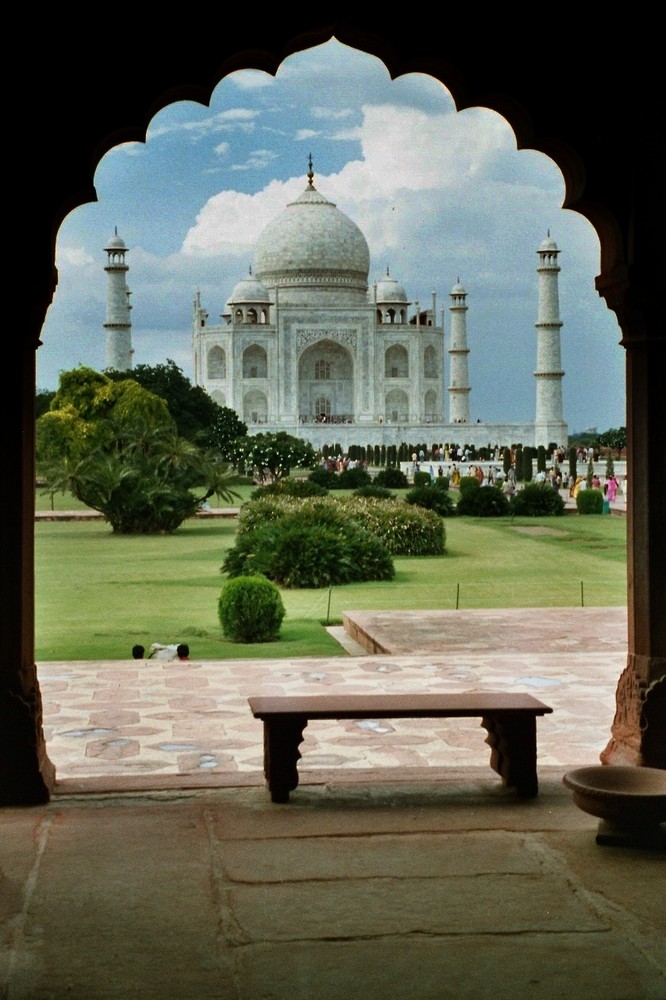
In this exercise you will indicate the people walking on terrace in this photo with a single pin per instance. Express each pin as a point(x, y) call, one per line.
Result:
point(611, 488)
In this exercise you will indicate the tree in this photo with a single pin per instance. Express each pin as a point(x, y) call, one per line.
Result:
point(615, 438)
point(150, 484)
point(278, 453)
point(115, 446)
point(573, 464)
point(228, 427)
point(43, 401)
point(193, 411)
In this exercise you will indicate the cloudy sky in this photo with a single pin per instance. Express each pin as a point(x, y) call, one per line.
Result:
point(441, 196)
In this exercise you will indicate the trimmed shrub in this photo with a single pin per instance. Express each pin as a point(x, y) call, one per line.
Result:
point(254, 513)
point(528, 458)
point(405, 530)
point(290, 487)
point(351, 479)
point(573, 468)
point(590, 501)
point(324, 477)
point(537, 500)
point(442, 482)
point(421, 478)
point(250, 609)
point(432, 499)
point(392, 478)
point(379, 492)
point(468, 484)
point(487, 501)
point(299, 553)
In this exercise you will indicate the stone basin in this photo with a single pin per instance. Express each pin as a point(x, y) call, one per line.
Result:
point(625, 798)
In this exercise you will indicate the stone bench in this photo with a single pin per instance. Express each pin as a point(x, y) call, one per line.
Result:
point(510, 720)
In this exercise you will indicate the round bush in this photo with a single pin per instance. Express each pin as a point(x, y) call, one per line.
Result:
point(432, 499)
point(299, 552)
point(590, 501)
point(324, 477)
point(468, 484)
point(405, 530)
point(486, 501)
point(537, 500)
point(421, 479)
point(250, 609)
point(378, 492)
point(351, 479)
point(392, 478)
point(291, 488)
point(266, 508)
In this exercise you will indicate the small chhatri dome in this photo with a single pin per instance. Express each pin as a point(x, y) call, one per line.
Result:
point(388, 290)
point(458, 289)
point(313, 244)
point(548, 244)
point(248, 290)
point(115, 243)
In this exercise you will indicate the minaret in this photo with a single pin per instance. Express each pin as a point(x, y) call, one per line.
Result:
point(459, 388)
point(549, 426)
point(118, 348)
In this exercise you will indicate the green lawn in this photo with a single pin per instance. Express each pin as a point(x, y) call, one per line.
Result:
point(98, 593)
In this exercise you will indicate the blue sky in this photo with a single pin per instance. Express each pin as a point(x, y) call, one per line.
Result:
point(441, 196)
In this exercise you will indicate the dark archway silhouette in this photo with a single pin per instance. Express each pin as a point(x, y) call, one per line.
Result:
point(566, 93)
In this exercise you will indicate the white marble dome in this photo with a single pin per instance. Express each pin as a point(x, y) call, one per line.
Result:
point(248, 290)
point(116, 243)
point(388, 290)
point(313, 246)
point(548, 244)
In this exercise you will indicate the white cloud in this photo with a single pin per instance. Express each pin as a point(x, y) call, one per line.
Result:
point(231, 222)
point(437, 153)
point(74, 257)
point(258, 159)
point(223, 121)
point(331, 113)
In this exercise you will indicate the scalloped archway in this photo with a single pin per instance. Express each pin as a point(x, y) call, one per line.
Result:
point(582, 119)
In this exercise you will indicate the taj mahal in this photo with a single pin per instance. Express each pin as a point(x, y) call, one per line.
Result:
point(305, 345)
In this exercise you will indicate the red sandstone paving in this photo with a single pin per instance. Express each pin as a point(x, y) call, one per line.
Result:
point(108, 718)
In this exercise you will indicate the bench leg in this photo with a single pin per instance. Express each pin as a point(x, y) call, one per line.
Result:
point(512, 739)
point(282, 737)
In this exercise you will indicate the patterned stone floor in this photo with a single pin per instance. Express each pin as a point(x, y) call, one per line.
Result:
point(153, 723)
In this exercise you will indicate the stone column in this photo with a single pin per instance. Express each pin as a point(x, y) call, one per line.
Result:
point(27, 775)
point(638, 732)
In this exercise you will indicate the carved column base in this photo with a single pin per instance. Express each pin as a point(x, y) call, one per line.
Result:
point(638, 732)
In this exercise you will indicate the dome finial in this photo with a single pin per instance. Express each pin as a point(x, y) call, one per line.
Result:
point(310, 172)
point(387, 271)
